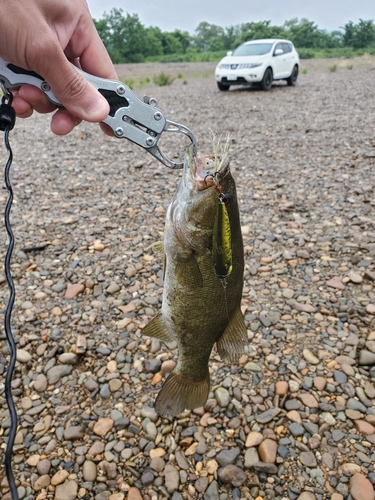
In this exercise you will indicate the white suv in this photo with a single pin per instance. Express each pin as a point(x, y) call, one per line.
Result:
point(260, 62)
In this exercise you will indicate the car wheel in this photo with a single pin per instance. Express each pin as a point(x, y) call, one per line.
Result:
point(266, 83)
point(222, 87)
point(292, 80)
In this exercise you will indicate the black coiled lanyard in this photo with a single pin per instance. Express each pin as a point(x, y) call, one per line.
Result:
point(7, 121)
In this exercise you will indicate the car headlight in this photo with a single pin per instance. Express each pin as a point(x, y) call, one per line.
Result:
point(249, 65)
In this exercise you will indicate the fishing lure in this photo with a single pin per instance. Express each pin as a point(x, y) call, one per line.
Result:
point(222, 239)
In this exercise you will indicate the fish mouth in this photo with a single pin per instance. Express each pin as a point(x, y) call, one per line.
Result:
point(207, 171)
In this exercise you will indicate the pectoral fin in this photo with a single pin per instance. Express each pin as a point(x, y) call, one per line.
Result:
point(157, 329)
point(157, 247)
point(188, 272)
point(230, 346)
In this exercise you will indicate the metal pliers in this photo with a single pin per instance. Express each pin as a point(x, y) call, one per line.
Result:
point(129, 117)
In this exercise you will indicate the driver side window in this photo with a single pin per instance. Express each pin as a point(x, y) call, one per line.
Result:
point(279, 46)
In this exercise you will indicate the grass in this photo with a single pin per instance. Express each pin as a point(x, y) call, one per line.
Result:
point(350, 66)
point(304, 71)
point(333, 68)
point(162, 79)
point(130, 82)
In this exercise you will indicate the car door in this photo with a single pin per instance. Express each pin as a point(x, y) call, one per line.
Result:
point(280, 64)
point(289, 59)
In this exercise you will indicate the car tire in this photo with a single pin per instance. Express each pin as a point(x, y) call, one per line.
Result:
point(267, 80)
point(222, 87)
point(292, 80)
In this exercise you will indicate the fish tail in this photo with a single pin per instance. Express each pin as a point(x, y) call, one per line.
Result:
point(180, 393)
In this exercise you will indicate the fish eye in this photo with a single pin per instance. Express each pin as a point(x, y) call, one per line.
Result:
point(225, 198)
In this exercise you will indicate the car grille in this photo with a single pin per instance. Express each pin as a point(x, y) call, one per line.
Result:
point(240, 79)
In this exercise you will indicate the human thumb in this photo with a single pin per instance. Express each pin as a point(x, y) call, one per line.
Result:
point(74, 92)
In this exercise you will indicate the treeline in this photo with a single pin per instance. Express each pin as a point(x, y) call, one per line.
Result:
point(128, 40)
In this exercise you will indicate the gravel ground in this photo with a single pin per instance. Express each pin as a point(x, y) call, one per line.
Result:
point(295, 419)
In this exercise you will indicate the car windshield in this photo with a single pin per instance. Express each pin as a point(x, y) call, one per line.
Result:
point(253, 49)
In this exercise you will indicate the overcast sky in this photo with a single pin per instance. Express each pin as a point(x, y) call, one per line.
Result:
point(186, 15)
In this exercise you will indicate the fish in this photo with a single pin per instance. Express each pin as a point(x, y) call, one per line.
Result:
point(203, 280)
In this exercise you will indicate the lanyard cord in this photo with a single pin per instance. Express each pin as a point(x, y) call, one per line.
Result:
point(7, 121)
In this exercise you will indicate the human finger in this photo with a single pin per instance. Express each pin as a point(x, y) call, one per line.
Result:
point(63, 122)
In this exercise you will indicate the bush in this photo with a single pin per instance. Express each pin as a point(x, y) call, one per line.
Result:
point(162, 79)
point(306, 53)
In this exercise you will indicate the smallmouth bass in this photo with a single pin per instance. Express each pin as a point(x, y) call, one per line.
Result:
point(203, 280)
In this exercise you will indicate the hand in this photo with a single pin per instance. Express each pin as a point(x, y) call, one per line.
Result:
point(46, 36)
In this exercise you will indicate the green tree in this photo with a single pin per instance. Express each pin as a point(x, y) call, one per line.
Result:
point(184, 38)
point(303, 33)
point(124, 37)
point(260, 29)
point(209, 37)
point(359, 36)
point(231, 37)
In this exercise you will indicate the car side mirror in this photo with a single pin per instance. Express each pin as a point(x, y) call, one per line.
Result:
point(229, 53)
point(278, 52)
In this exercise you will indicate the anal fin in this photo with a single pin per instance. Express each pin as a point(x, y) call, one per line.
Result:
point(230, 346)
point(180, 393)
point(157, 329)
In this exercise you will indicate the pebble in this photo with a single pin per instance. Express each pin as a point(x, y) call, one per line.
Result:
point(267, 416)
point(212, 492)
point(103, 426)
point(58, 372)
point(172, 478)
point(366, 357)
point(157, 464)
point(296, 429)
point(59, 477)
point(307, 495)
point(355, 277)
point(66, 491)
point(308, 458)
point(41, 383)
point(364, 427)
point(251, 457)
point(361, 488)
point(267, 450)
point(310, 357)
point(226, 457)
point(253, 439)
point(89, 471)
point(134, 494)
point(222, 396)
point(74, 432)
point(308, 400)
point(281, 387)
point(23, 356)
point(72, 290)
point(42, 482)
point(233, 475)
